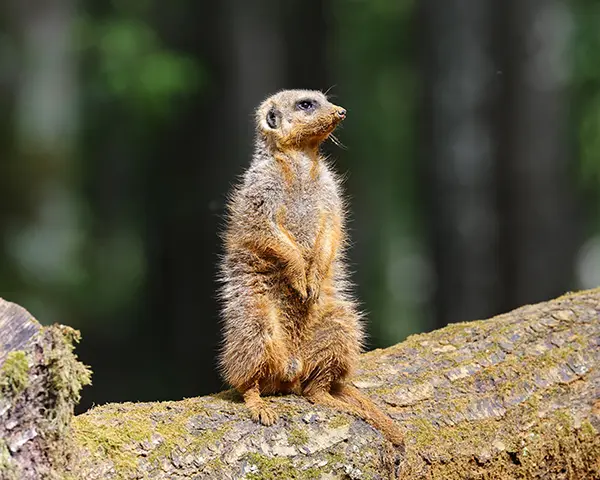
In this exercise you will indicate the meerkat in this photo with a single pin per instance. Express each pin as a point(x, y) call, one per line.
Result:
point(290, 322)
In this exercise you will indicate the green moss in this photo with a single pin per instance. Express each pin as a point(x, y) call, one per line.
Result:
point(8, 469)
point(115, 431)
point(230, 395)
point(102, 437)
point(215, 465)
point(297, 437)
point(284, 468)
point(588, 429)
point(278, 468)
point(424, 433)
point(553, 443)
point(339, 420)
point(14, 373)
point(67, 375)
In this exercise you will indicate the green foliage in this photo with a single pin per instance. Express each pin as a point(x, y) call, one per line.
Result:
point(586, 83)
point(134, 67)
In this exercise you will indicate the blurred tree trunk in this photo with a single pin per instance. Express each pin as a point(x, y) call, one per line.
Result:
point(458, 144)
point(540, 228)
point(502, 211)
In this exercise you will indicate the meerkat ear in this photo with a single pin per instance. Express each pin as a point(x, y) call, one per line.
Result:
point(273, 118)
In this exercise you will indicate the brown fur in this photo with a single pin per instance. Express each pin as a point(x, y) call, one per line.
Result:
point(290, 322)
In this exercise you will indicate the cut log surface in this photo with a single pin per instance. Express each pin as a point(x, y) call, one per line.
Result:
point(515, 396)
point(40, 380)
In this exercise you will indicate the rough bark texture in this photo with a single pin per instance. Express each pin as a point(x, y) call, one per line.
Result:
point(40, 380)
point(516, 396)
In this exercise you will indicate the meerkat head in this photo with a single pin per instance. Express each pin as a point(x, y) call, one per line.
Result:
point(297, 118)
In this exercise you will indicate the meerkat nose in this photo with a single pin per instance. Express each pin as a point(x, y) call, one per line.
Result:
point(341, 112)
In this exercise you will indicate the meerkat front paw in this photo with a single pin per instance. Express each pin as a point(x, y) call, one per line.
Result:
point(313, 288)
point(299, 283)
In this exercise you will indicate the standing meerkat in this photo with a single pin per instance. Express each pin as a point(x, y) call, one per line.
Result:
point(290, 322)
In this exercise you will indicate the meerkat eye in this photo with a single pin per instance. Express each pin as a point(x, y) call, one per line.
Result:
point(306, 105)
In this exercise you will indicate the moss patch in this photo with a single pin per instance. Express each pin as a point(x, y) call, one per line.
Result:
point(340, 420)
point(8, 470)
point(14, 373)
point(67, 376)
point(297, 437)
point(118, 432)
point(278, 468)
point(552, 446)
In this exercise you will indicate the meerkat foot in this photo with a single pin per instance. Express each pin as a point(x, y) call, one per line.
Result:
point(264, 415)
point(259, 410)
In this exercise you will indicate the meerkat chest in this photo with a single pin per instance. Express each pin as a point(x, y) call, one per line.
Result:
point(309, 197)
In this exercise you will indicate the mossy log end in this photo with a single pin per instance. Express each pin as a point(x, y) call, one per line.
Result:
point(515, 396)
point(40, 381)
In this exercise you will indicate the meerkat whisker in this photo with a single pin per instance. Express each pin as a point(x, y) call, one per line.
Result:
point(326, 93)
point(337, 142)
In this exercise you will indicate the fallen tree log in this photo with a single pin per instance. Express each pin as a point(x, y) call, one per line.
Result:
point(515, 396)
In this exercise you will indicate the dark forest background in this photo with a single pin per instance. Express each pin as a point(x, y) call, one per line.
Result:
point(472, 162)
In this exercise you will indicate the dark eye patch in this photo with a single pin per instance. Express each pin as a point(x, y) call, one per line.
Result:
point(307, 105)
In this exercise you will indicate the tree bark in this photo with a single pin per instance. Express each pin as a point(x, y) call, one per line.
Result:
point(40, 380)
point(515, 396)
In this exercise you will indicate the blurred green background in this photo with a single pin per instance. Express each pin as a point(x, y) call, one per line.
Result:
point(472, 161)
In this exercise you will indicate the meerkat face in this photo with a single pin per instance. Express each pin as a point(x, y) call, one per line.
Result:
point(298, 118)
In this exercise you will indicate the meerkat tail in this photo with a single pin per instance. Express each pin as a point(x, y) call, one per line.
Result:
point(352, 401)
point(372, 413)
